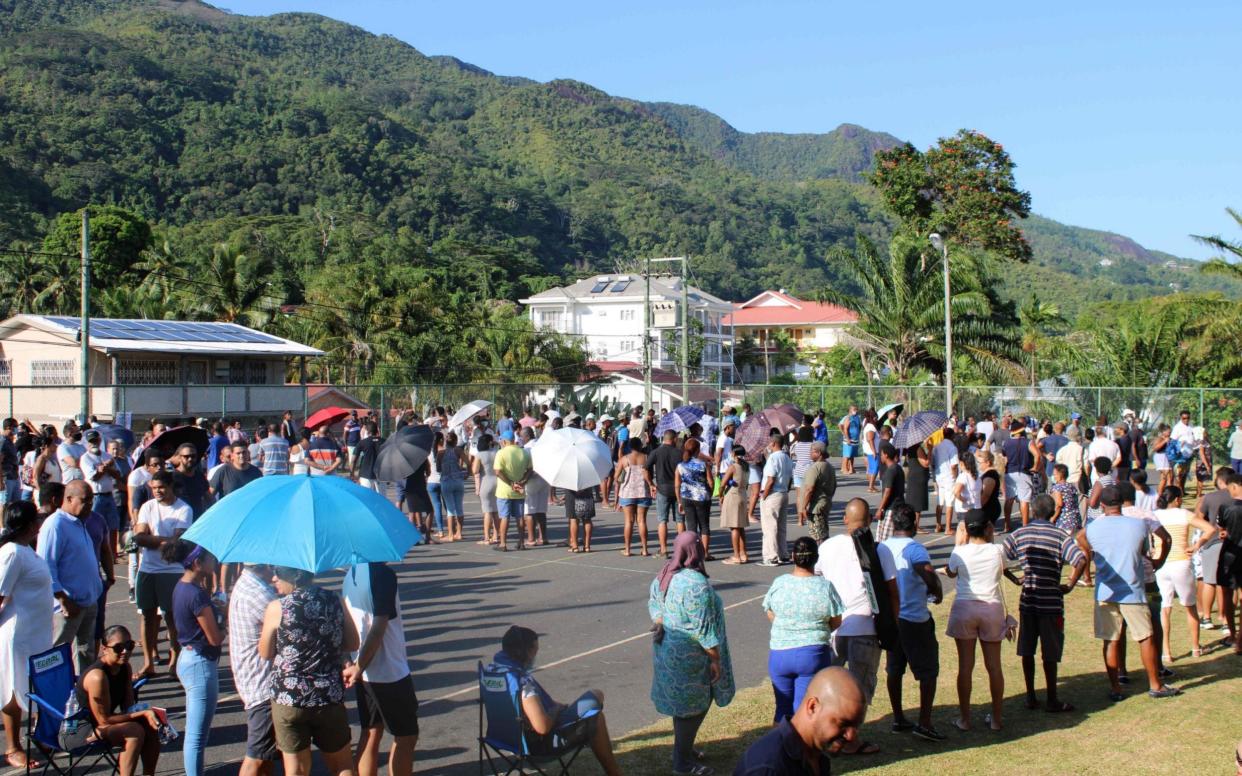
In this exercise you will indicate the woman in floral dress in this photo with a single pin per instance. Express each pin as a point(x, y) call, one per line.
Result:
point(1065, 494)
point(691, 654)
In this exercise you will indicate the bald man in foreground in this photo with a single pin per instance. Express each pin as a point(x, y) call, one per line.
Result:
point(828, 719)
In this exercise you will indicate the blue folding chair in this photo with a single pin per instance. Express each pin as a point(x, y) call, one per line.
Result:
point(51, 682)
point(500, 699)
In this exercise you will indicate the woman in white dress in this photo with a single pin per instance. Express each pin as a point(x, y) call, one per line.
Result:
point(25, 618)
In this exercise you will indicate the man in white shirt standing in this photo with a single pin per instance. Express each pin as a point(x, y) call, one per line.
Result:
point(1104, 447)
point(777, 474)
point(100, 473)
point(944, 464)
point(855, 645)
point(1184, 434)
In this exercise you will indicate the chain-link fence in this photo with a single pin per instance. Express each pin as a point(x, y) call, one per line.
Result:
point(1216, 409)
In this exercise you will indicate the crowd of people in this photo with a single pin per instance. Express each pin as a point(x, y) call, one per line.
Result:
point(79, 505)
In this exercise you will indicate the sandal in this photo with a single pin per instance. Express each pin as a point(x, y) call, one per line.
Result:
point(957, 723)
point(626, 553)
point(574, 550)
point(731, 562)
point(23, 762)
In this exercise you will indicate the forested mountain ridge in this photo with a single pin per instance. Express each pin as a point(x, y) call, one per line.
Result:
point(206, 122)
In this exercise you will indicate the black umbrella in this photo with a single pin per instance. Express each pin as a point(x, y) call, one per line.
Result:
point(403, 453)
point(168, 442)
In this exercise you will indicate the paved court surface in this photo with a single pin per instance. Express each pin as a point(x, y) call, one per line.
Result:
point(591, 610)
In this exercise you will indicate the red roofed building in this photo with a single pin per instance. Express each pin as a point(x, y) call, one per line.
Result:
point(813, 326)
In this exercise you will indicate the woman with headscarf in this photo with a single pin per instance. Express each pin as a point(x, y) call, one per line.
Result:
point(691, 651)
point(25, 617)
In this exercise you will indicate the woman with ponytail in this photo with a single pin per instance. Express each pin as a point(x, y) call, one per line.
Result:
point(25, 617)
point(1177, 575)
point(804, 610)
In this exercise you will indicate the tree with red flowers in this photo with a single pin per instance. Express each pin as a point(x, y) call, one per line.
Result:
point(962, 187)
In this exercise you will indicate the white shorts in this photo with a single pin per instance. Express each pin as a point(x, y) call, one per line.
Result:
point(1162, 462)
point(944, 493)
point(370, 484)
point(1176, 576)
point(1018, 485)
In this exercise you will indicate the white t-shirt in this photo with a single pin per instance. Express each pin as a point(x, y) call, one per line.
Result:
point(838, 563)
point(1182, 433)
point(70, 450)
point(970, 492)
point(90, 464)
point(868, 430)
point(944, 458)
point(1102, 448)
point(724, 443)
point(166, 521)
point(978, 568)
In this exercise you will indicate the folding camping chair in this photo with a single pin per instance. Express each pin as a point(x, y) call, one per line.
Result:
point(505, 737)
point(51, 682)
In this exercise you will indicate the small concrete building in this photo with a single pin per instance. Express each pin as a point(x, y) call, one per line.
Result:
point(149, 368)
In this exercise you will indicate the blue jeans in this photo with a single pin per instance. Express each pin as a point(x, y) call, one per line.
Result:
point(791, 671)
point(453, 491)
point(437, 510)
point(201, 679)
point(666, 508)
point(12, 491)
point(105, 505)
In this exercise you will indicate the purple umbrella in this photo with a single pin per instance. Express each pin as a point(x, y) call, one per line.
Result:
point(785, 417)
point(679, 419)
point(752, 436)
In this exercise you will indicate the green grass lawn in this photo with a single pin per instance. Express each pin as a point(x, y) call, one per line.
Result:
point(1191, 734)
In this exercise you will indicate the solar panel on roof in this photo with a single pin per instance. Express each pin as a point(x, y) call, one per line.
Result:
point(599, 286)
point(620, 286)
point(173, 331)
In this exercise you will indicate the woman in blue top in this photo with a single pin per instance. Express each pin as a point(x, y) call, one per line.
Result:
point(693, 484)
point(200, 636)
point(804, 610)
point(691, 652)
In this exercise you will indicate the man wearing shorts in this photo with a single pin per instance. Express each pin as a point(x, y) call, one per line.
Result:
point(1229, 569)
point(512, 467)
point(1207, 561)
point(1042, 548)
point(1020, 460)
point(662, 466)
point(1119, 544)
point(916, 630)
point(161, 520)
point(944, 459)
point(252, 675)
point(380, 670)
point(851, 428)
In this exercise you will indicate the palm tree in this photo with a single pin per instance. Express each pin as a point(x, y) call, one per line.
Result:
point(900, 310)
point(236, 289)
point(1222, 265)
point(1035, 316)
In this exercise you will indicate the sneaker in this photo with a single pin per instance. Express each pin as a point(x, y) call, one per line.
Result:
point(1206, 623)
point(769, 563)
point(902, 725)
point(1166, 691)
point(133, 597)
point(1123, 679)
point(929, 734)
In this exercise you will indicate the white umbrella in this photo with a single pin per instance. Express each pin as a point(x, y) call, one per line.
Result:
point(467, 412)
point(571, 458)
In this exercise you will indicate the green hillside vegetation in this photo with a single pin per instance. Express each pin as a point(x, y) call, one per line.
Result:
point(377, 196)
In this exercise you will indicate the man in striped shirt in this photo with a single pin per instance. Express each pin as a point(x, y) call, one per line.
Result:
point(1042, 548)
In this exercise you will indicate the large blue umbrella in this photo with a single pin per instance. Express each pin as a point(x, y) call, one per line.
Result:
point(679, 419)
point(917, 428)
point(110, 431)
point(311, 523)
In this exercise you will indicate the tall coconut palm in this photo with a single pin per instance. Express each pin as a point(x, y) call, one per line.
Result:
point(900, 308)
point(236, 288)
point(1224, 265)
point(1035, 317)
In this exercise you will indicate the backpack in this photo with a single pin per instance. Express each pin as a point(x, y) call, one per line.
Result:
point(873, 576)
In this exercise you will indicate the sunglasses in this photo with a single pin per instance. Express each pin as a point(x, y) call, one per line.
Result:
point(122, 648)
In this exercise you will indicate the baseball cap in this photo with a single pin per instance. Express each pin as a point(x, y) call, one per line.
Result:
point(92, 436)
point(729, 420)
point(1076, 416)
point(590, 416)
point(507, 435)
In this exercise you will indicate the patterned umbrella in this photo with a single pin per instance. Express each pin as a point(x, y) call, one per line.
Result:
point(752, 436)
point(785, 417)
point(679, 419)
point(917, 428)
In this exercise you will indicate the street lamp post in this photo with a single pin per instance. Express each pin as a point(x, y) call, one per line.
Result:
point(939, 244)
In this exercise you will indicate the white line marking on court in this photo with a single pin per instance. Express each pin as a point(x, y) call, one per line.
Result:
point(474, 686)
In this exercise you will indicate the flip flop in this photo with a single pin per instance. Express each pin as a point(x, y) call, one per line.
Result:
point(626, 553)
point(731, 562)
point(957, 723)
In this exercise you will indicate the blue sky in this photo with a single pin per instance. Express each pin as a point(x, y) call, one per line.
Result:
point(1120, 116)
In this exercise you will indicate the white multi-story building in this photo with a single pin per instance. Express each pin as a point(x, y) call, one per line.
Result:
point(606, 311)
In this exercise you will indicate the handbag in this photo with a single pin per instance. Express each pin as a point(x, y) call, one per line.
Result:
point(1011, 625)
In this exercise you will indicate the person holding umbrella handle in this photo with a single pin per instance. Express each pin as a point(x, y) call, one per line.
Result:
point(513, 468)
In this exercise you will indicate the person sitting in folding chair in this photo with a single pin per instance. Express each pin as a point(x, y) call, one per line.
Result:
point(551, 727)
point(106, 689)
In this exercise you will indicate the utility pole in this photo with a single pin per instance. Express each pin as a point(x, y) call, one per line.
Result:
point(84, 330)
point(685, 332)
point(647, 332)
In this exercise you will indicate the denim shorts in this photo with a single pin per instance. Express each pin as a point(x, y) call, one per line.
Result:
point(873, 464)
point(849, 451)
point(666, 508)
point(635, 502)
point(514, 508)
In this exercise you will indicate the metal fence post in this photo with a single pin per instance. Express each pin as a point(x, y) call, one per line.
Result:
point(224, 401)
point(383, 413)
point(1099, 402)
point(821, 397)
point(1201, 407)
point(11, 412)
